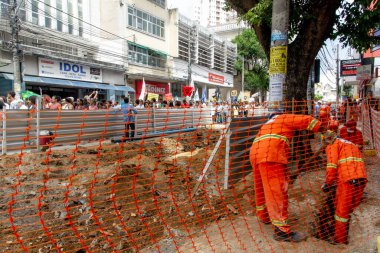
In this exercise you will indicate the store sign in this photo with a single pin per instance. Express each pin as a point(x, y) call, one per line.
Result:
point(364, 72)
point(67, 70)
point(348, 67)
point(215, 78)
point(151, 88)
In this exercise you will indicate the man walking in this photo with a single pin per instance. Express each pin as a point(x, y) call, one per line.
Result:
point(129, 119)
point(269, 159)
point(345, 169)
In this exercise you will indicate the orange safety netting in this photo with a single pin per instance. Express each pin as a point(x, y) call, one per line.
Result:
point(70, 181)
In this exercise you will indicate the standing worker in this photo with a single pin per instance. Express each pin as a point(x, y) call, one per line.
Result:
point(129, 119)
point(269, 158)
point(345, 169)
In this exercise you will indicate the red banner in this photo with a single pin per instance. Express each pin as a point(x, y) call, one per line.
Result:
point(215, 78)
point(187, 90)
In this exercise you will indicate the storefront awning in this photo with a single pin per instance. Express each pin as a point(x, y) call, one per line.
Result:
point(70, 83)
point(147, 48)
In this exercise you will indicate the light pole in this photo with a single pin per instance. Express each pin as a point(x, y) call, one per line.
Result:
point(15, 44)
point(337, 79)
point(242, 75)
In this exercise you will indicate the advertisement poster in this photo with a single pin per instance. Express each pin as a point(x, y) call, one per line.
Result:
point(246, 96)
point(152, 95)
point(168, 97)
point(278, 59)
point(67, 70)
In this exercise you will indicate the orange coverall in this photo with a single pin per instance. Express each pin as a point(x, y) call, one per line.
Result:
point(345, 164)
point(269, 159)
point(356, 137)
point(333, 125)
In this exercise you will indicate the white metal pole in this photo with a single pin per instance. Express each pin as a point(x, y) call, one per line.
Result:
point(4, 144)
point(38, 124)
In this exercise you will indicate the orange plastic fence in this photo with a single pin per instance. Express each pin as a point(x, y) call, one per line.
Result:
point(94, 195)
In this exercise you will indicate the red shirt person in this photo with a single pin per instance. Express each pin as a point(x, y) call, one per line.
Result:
point(350, 133)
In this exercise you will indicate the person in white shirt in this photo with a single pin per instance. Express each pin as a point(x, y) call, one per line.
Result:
point(21, 105)
point(11, 96)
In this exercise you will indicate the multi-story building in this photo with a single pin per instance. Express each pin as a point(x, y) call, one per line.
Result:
point(212, 13)
point(159, 41)
point(147, 29)
point(211, 58)
point(117, 45)
point(63, 53)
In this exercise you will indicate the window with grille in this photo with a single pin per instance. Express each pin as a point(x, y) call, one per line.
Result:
point(145, 22)
point(145, 56)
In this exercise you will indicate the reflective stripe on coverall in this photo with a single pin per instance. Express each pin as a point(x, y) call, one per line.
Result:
point(344, 164)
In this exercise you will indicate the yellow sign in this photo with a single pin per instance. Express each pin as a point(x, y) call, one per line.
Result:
point(278, 59)
point(234, 93)
point(246, 96)
point(151, 96)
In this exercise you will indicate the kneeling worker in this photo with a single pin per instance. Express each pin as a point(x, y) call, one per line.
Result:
point(350, 133)
point(345, 169)
point(269, 159)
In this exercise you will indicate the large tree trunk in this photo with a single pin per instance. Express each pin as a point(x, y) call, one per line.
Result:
point(303, 50)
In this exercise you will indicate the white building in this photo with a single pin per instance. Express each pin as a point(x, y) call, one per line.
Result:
point(327, 90)
point(211, 13)
point(159, 41)
point(62, 52)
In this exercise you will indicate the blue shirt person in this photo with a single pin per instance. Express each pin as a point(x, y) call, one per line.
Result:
point(129, 119)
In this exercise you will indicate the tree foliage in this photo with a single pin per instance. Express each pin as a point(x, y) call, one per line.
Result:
point(256, 62)
point(311, 22)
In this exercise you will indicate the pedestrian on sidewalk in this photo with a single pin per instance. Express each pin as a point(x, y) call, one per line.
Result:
point(129, 119)
point(269, 159)
point(346, 171)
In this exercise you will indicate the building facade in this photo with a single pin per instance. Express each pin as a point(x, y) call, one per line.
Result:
point(63, 53)
point(72, 47)
point(209, 59)
point(211, 13)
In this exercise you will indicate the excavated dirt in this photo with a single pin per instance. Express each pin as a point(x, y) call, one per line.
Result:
point(137, 197)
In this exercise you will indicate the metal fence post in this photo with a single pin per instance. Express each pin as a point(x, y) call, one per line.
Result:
point(193, 120)
point(154, 119)
point(38, 124)
point(4, 140)
point(227, 155)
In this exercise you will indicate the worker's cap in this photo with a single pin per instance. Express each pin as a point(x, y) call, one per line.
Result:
point(333, 126)
point(350, 124)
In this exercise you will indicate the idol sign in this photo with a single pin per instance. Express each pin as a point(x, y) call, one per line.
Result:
point(68, 70)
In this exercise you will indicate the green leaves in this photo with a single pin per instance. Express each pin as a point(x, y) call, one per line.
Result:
point(260, 13)
point(256, 62)
point(356, 25)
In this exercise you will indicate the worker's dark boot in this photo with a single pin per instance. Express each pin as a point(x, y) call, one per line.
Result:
point(288, 237)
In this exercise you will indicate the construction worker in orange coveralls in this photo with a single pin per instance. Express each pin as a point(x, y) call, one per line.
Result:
point(333, 125)
point(345, 169)
point(269, 159)
point(350, 133)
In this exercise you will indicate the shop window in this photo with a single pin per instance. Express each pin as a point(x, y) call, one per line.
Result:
point(176, 90)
